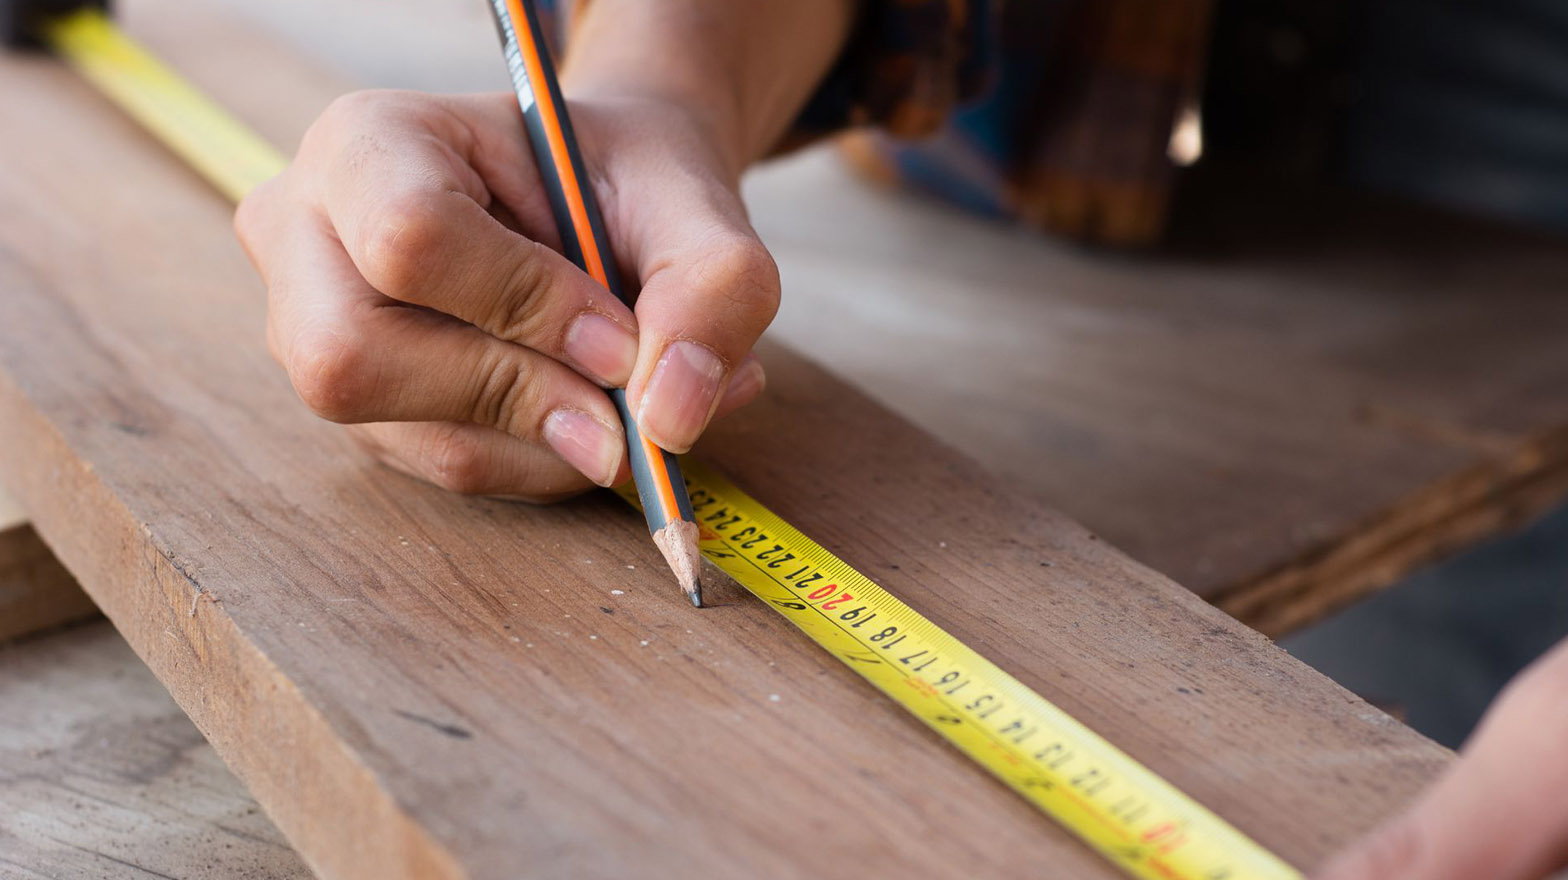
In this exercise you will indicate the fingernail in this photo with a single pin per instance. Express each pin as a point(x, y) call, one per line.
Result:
point(602, 347)
point(747, 382)
point(586, 443)
point(681, 396)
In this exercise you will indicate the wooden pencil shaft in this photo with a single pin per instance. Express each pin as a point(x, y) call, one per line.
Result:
point(643, 475)
point(554, 144)
point(542, 88)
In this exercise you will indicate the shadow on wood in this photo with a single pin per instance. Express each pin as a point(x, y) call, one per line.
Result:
point(36, 592)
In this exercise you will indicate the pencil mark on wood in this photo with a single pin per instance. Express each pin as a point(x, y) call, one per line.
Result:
point(451, 730)
point(140, 869)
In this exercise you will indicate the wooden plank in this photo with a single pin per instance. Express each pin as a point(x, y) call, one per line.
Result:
point(1290, 413)
point(421, 685)
point(102, 775)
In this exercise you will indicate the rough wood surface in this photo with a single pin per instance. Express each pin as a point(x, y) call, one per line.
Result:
point(1286, 415)
point(1293, 414)
point(421, 685)
point(36, 592)
point(102, 776)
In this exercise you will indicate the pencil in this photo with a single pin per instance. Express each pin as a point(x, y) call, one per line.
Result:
point(655, 471)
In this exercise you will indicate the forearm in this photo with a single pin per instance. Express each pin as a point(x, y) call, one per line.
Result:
point(744, 68)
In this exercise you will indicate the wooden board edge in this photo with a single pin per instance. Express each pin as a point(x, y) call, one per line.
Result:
point(1490, 499)
point(107, 778)
point(201, 654)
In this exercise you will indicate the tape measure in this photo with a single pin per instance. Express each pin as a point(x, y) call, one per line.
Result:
point(1137, 820)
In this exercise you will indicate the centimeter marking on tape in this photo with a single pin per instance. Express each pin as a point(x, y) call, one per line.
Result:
point(1134, 818)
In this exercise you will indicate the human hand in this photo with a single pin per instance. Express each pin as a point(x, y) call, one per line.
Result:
point(1501, 812)
point(416, 292)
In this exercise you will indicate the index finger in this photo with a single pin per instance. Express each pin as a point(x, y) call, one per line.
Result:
point(1499, 812)
point(413, 216)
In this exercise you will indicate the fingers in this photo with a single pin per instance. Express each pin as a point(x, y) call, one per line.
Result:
point(709, 290)
point(746, 382)
point(407, 285)
point(440, 249)
point(355, 356)
point(414, 220)
point(377, 363)
point(473, 460)
point(1499, 812)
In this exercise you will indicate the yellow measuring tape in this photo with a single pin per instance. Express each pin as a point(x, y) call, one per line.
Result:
point(221, 148)
point(1134, 818)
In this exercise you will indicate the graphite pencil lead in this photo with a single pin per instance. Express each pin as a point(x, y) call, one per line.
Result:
point(678, 542)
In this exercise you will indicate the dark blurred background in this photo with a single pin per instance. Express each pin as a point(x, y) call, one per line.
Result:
point(1460, 104)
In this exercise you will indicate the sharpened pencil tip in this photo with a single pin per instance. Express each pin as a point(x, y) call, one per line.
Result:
point(678, 542)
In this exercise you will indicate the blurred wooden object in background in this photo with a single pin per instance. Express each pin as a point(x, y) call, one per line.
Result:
point(102, 776)
point(36, 592)
point(1093, 108)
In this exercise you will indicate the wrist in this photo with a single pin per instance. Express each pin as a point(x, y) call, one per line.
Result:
point(740, 71)
point(702, 113)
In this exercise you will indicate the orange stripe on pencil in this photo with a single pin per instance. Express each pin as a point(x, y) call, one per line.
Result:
point(533, 62)
point(660, 485)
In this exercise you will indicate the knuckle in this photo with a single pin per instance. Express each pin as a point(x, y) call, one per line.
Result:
point(356, 125)
point(458, 463)
point(360, 106)
point(507, 397)
point(259, 212)
point(356, 122)
point(740, 269)
point(331, 372)
point(401, 241)
point(342, 115)
point(247, 214)
point(455, 460)
point(520, 311)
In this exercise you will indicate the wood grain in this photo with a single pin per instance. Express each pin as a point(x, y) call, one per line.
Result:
point(416, 684)
point(1310, 396)
point(1287, 415)
point(102, 777)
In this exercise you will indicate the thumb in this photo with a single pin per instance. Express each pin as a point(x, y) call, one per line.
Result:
point(709, 289)
point(1499, 812)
